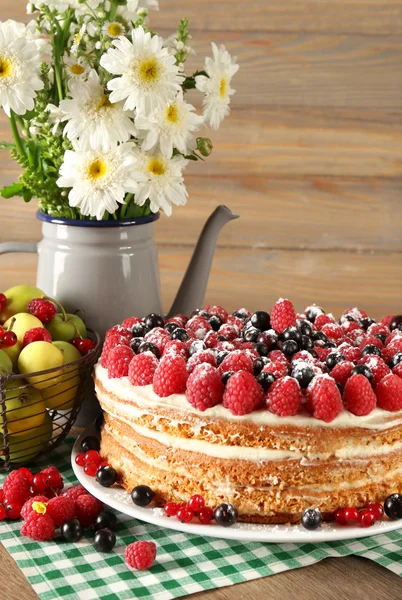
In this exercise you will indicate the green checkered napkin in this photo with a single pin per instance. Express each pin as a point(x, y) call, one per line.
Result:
point(185, 564)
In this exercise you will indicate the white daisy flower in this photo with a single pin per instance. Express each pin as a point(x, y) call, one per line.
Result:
point(133, 7)
point(55, 116)
point(76, 68)
point(113, 29)
point(169, 127)
point(77, 39)
point(216, 87)
point(160, 181)
point(59, 5)
point(31, 33)
point(92, 118)
point(149, 77)
point(98, 180)
point(19, 71)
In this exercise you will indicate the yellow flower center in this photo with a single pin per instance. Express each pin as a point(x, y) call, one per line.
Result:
point(97, 169)
point(114, 29)
point(39, 507)
point(104, 102)
point(5, 67)
point(223, 87)
point(77, 38)
point(149, 70)
point(156, 166)
point(77, 69)
point(172, 113)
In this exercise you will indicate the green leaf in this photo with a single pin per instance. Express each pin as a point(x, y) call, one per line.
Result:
point(6, 146)
point(27, 195)
point(15, 189)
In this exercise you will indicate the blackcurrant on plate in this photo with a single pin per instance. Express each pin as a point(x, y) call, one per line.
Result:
point(120, 500)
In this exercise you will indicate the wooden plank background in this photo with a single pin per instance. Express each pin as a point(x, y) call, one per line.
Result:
point(311, 157)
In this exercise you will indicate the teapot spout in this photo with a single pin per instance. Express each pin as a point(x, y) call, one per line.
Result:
point(192, 289)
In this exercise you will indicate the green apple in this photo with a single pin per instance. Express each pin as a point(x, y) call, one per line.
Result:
point(23, 447)
point(40, 356)
point(66, 327)
point(6, 366)
point(70, 352)
point(21, 323)
point(17, 300)
point(25, 407)
point(13, 353)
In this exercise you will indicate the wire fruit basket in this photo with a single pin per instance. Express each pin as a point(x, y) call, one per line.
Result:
point(37, 410)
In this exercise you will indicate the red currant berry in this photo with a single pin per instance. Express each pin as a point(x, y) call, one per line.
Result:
point(93, 456)
point(13, 510)
point(39, 484)
point(3, 301)
point(1, 496)
point(339, 516)
point(196, 503)
point(2, 332)
point(86, 345)
point(26, 473)
point(54, 480)
point(181, 505)
point(350, 514)
point(91, 469)
point(76, 342)
point(170, 509)
point(366, 518)
point(184, 515)
point(377, 510)
point(206, 515)
point(9, 339)
point(80, 460)
point(3, 513)
point(103, 464)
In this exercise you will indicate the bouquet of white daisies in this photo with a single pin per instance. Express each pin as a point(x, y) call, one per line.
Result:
point(97, 108)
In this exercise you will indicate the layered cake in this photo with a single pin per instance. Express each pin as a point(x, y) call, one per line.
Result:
point(271, 412)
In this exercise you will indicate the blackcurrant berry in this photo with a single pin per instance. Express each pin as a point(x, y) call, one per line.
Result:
point(142, 495)
point(395, 360)
point(258, 366)
point(149, 347)
point(221, 355)
point(393, 506)
point(266, 379)
point(90, 443)
point(319, 336)
point(139, 330)
point(396, 321)
point(306, 328)
point(292, 333)
point(269, 338)
point(306, 342)
point(215, 322)
point(226, 376)
point(371, 349)
point(153, 320)
point(226, 515)
point(333, 359)
point(312, 312)
point(366, 322)
point(311, 519)
point(105, 520)
point(72, 531)
point(250, 334)
point(106, 476)
point(330, 345)
point(180, 334)
point(260, 320)
point(290, 347)
point(104, 540)
point(381, 336)
point(135, 343)
point(261, 348)
point(303, 374)
point(196, 346)
point(170, 327)
point(362, 370)
point(241, 314)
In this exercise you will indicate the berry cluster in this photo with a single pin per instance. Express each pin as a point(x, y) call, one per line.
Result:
point(93, 464)
point(283, 361)
point(224, 514)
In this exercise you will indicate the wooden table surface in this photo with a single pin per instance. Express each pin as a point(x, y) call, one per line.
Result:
point(311, 158)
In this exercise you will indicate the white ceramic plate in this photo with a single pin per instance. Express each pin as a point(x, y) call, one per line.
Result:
point(120, 500)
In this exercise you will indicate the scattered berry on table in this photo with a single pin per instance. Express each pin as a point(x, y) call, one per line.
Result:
point(104, 540)
point(75, 491)
point(3, 513)
point(27, 507)
point(16, 487)
point(42, 309)
point(105, 520)
point(61, 509)
point(39, 527)
point(72, 531)
point(140, 555)
point(13, 509)
point(142, 495)
point(311, 519)
point(87, 509)
point(226, 514)
point(393, 506)
point(106, 476)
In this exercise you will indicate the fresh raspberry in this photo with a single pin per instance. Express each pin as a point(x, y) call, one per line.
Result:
point(350, 352)
point(251, 352)
point(211, 339)
point(61, 509)
point(112, 342)
point(397, 370)
point(159, 337)
point(278, 356)
point(176, 348)
point(394, 335)
point(142, 368)
point(237, 361)
point(322, 320)
point(333, 331)
point(243, 313)
point(230, 332)
point(393, 348)
point(283, 315)
point(356, 313)
point(377, 366)
point(341, 372)
point(16, 488)
point(284, 397)
point(218, 311)
point(356, 337)
point(276, 368)
point(204, 387)
point(140, 555)
point(37, 334)
point(27, 508)
point(75, 491)
point(119, 331)
point(305, 356)
point(226, 346)
point(42, 309)
point(235, 321)
point(378, 328)
point(118, 361)
point(387, 320)
point(322, 352)
point(38, 527)
point(130, 321)
point(323, 398)
point(87, 509)
point(370, 340)
point(358, 397)
point(349, 326)
point(198, 327)
point(170, 376)
point(207, 356)
point(243, 393)
point(389, 393)
point(179, 320)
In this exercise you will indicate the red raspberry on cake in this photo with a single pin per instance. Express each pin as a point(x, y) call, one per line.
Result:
point(397, 370)
point(120, 331)
point(159, 337)
point(358, 396)
point(393, 348)
point(350, 352)
point(36, 334)
point(176, 348)
point(371, 340)
point(204, 387)
point(87, 509)
point(130, 322)
point(356, 337)
point(198, 327)
point(322, 353)
point(283, 315)
point(322, 320)
point(278, 356)
point(387, 320)
point(27, 508)
point(118, 361)
point(61, 509)
point(378, 328)
point(377, 366)
point(341, 372)
point(243, 393)
point(112, 342)
point(237, 361)
point(16, 487)
point(230, 332)
point(170, 376)
point(42, 309)
point(140, 555)
point(276, 368)
point(284, 397)
point(235, 321)
point(39, 527)
point(333, 331)
point(324, 400)
point(218, 311)
point(207, 356)
point(349, 326)
point(142, 368)
point(356, 313)
point(211, 339)
point(389, 393)
point(75, 491)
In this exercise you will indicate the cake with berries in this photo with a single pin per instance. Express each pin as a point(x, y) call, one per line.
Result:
point(272, 412)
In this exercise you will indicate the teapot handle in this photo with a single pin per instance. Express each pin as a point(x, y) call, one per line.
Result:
point(7, 247)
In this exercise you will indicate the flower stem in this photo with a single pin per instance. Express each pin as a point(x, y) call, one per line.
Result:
point(16, 135)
